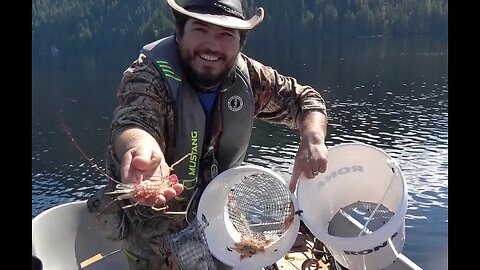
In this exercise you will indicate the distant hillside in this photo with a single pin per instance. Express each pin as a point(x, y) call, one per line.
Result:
point(103, 25)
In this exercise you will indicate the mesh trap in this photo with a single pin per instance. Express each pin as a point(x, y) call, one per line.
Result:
point(261, 210)
point(190, 248)
point(359, 213)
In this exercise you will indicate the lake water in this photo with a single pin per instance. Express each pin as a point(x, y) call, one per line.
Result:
point(389, 93)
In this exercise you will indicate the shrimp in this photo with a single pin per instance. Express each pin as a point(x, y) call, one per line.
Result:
point(247, 247)
point(146, 189)
point(289, 219)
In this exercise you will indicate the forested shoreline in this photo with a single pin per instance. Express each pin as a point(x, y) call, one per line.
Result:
point(92, 25)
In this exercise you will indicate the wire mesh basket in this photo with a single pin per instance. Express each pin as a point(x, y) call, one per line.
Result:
point(252, 217)
point(190, 248)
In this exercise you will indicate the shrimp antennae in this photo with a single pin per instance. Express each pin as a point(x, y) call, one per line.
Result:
point(180, 160)
point(65, 128)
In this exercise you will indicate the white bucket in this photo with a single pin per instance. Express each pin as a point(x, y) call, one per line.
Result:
point(357, 175)
point(220, 232)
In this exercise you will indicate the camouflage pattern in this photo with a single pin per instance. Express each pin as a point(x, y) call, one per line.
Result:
point(144, 102)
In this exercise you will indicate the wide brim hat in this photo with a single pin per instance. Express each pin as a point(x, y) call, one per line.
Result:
point(225, 13)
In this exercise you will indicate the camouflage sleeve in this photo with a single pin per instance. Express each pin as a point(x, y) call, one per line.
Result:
point(143, 102)
point(279, 99)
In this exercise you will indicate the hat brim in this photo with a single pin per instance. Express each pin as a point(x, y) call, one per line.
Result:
point(221, 20)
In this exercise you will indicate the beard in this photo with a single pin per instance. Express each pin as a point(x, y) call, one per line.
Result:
point(204, 80)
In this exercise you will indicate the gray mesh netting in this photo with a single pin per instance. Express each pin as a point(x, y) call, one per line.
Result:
point(260, 208)
point(190, 248)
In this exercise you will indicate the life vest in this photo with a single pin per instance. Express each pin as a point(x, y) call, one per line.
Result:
point(236, 107)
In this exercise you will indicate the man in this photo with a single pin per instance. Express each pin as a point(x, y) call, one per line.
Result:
point(195, 93)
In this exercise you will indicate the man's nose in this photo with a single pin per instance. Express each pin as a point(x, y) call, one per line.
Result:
point(213, 42)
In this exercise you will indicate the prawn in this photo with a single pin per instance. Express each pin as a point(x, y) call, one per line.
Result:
point(143, 190)
point(247, 247)
point(290, 218)
point(146, 189)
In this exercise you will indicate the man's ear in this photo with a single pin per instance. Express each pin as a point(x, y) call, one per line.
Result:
point(177, 34)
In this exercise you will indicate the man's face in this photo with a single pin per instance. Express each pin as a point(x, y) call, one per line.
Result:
point(208, 50)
